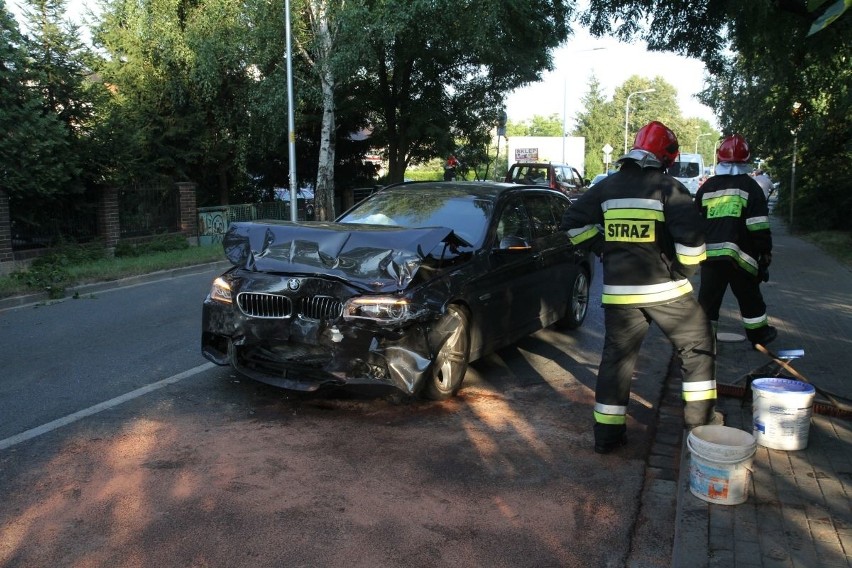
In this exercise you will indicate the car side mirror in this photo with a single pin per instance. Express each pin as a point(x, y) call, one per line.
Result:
point(513, 243)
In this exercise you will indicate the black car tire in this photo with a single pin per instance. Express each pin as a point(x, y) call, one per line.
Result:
point(578, 302)
point(450, 364)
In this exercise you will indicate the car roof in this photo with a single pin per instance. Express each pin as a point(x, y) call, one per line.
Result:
point(541, 164)
point(474, 189)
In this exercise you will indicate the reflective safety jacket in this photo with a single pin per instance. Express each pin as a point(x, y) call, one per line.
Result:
point(647, 230)
point(736, 220)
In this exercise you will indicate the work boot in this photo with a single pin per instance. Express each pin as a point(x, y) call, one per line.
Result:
point(718, 419)
point(607, 447)
point(764, 336)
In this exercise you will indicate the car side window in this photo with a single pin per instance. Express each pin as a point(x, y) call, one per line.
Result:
point(542, 216)
point(513, 222)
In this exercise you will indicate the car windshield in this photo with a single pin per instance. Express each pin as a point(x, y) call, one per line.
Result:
point(684, 169)
point(414, 206)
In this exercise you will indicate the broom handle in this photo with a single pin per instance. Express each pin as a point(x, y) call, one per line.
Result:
point(799, 376)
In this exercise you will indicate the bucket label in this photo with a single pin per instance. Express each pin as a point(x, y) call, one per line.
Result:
point(711, 482)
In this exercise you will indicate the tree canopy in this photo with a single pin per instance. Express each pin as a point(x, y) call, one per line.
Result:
point(764, 59)
point(197, 90)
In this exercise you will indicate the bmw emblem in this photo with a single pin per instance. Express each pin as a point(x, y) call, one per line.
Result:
point(293, 284)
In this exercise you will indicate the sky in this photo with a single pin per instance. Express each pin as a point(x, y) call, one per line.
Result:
point(612, 62)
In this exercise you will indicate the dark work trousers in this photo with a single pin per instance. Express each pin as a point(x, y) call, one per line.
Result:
point(716, 276)
point(686, 326)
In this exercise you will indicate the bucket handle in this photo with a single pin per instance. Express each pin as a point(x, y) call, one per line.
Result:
point(726, 462)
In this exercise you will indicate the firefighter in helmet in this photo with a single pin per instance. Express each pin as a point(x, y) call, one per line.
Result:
point(643, 224)
point(739, 242)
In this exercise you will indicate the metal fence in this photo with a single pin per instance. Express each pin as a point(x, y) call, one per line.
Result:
point(213, 222)
point(148, 210)
point(50, 222)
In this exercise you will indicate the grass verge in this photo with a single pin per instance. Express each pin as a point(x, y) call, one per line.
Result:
point(64, 270)
point(837, 244)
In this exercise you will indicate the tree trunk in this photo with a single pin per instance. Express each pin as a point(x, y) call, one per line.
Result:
point(324, 194)
point(224, 197)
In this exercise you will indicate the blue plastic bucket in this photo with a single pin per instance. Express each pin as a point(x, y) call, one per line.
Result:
point(781, 412)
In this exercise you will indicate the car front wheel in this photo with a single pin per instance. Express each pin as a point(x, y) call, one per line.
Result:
point(450, 364)
point(578, 302)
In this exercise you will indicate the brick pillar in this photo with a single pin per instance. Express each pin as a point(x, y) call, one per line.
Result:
point(109, 228)
point(6, 254)
point(188, 211)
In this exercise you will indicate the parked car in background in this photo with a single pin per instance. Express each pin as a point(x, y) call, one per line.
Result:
point(560, 177)
point(403, 290)
point(305, 207)
point(688, 169)
point(597, 178)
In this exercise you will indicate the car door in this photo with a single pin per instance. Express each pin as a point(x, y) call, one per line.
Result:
point(509, 309)
point(555, 256)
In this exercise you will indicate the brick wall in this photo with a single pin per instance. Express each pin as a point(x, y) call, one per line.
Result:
point(6, 256)
point(108, 226)
point(188, 211)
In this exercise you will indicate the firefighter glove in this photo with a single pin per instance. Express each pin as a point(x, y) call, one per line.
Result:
point(763, 263)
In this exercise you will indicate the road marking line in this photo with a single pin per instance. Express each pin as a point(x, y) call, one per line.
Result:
point(112, 403)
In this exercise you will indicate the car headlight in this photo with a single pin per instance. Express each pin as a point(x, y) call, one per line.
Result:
point(221, 291)
point(381, 309)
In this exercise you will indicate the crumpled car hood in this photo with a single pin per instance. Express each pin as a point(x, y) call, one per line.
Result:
point(374, 257)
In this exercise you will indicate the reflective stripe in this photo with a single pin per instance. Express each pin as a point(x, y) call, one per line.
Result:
point(690, 255)
point(699, 385)
point(610, 413)
point(610, 408)
point(757, 223)
point(699, 390)
point(582, 234)
point(730, 192)
point(610, 419)
point(717, 250)
point(624, 213)
point(754, 323)
point(631, 203)
point(699, 395)
point(654, 293)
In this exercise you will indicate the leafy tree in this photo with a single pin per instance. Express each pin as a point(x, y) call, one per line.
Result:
point(428, 80)
point(34, 142)
point(598, 123)
point(58, 70)
point(538, 125)
point(762, 59)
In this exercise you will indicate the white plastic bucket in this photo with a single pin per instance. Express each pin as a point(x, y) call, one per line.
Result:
point(720, 464)
point(781, 412)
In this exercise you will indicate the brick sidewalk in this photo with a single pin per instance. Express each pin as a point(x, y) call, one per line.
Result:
point(799, 509)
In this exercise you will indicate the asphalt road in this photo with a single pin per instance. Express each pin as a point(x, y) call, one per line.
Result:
point(154, 458)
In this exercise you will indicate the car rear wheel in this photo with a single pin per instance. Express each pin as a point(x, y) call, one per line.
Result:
point(450, 364)
point(578, 302)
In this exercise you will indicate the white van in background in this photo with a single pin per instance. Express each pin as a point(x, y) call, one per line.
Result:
point(688, 169)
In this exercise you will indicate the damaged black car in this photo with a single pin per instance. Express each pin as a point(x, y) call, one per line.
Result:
point(404, 289)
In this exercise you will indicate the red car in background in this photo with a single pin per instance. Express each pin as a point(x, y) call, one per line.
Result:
point(561, 177)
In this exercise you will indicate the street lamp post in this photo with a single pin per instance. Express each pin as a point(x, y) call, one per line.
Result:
point(291, 123)
point(627, 112)
point(795, 132)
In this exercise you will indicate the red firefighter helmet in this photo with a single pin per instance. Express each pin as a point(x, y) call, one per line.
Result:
point(733, 149)
point(658, 139)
